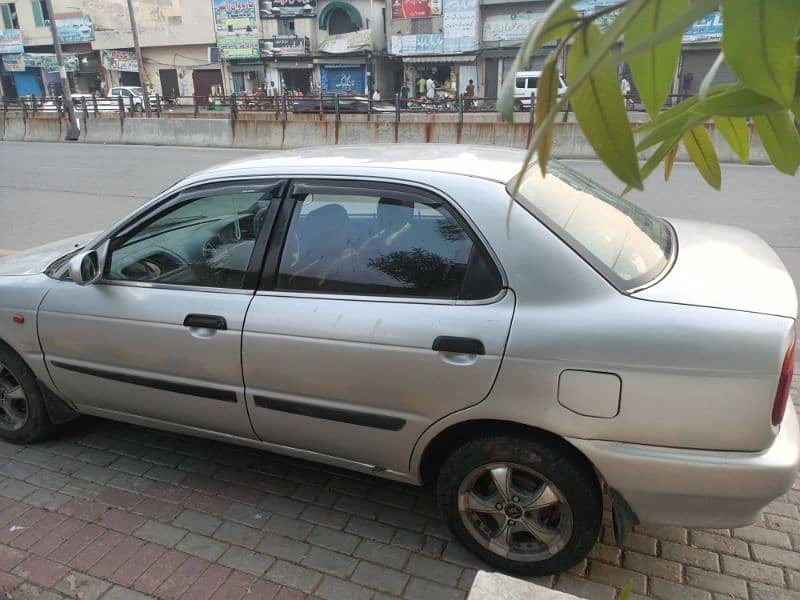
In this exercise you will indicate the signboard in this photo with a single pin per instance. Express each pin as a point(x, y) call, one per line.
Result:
point(49, 62)
point(420, 43)
point(460, 25)
point(74, 30)
point(237, 47)
point(13, 63)
point(343, 78)
point(416, 9)
point(513, 27)
point(119, 60)
point(344, 43)
point(588, 7)
point(11, 41)
point(707, 29)
point(235, 16)
point(288, 8)
point(285, 45)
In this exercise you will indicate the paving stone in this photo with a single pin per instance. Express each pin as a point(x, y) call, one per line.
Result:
point(357, 506)
point(333, 588)
point(668, 590)
point(213, 505)
point(119, 593)
point(48, 479)
point(380, 578)
point(157, 509)
point(48, 499)
point(287, 526)
point(649, 565)
point(759, 591)
point(76, 543)
point(422, 589)
point(101, 458)
point(455, 553)
point(120, 520)
point(84, 587)
point(784, 509)
point(370, 529)
point(333, 539)
point(238, 534)
point(82, 489)
point(123, 552)
point(10, 557)
point(160, 533)
point(283, 547)
point(120, 498)
point(132, 466)
point(399, 518)
point(131, 483)
point(97, 549)
point(208, 583)
point(751, 571)
point(767, 537)
point(197, 521)
point(248, 561)
point(618, 577)
point(17, 469)
point(325, 516)
point(434, 570)
point(40, 571)
point(27, 591)
point(201, 546)
point(583, 588)
point(715, 582)
point(182, 578)
point(409, 540)
point(719, 543)
point(95, 474)
point(14, 488)
point(388, 556)
point(234, 587)
point(144, 557)
point(665, 532)
point(609, 554)
point(329, 562)
point(246, 515)
point(776, 556)
point(293, 576)
point(160, 570)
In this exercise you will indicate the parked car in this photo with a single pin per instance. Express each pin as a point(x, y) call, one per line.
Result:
point(348, 103)
point(132, 92)
point(527, 83)
point(393, 310)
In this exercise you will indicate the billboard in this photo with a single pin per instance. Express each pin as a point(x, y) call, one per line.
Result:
point(513, 27)
point(415, 44)
point(13, 63)
point(416, 9)
point(235, 16)
point(75, 30)
point(356, 41)
point(11, 41)
point(288, 8)
point(707, 29)
point(237, 47)
point(119, 60)
point(460, 25)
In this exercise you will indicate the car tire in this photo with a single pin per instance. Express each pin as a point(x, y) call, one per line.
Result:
point(17, 380)
point(567, 529)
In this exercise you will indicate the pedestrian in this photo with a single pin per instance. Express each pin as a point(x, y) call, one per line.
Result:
point(421, 86)
point(430, 89)
point(625, 87)
point(377, 95)
point(688, 78)
point(404, 92)
point(469, 94)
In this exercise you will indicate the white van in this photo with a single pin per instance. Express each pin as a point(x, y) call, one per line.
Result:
point(526, 82)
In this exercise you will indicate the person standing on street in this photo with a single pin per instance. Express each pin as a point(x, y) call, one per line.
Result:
point(469, 94)
point(421, 85)
point(430, 89)
point(377, 95)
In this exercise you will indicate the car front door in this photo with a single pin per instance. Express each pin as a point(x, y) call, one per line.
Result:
point(159, 336)
point(382, 313)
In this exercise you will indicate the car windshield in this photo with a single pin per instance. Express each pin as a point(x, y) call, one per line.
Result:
point(626, 244)
point(136, 91)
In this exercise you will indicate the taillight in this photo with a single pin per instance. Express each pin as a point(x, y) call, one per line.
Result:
point(782, 395)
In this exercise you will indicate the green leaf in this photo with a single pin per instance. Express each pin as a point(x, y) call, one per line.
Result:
point(701, 151)
point(600, 109)
point(557, 22)
point(546, 96)
point(669, 161)
point(781, 141)
point(735, 132)
point(654, 69)
point(672, 123)
point(657, 156)
point(626, 591)
point(733, 100)
point(759, 40)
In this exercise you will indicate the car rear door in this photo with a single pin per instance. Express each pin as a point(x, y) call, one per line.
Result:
point(382, 313)
point(159, 337)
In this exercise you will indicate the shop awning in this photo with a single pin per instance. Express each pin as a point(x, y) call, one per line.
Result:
point(440, 58)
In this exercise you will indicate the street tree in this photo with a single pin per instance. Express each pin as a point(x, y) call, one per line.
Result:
point(760, 45)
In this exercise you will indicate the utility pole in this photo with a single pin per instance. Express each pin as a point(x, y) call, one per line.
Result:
point(72, 128)
point(135, 32)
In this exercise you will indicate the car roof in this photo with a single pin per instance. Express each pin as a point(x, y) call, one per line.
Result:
point(485, 162)
point(528, 73)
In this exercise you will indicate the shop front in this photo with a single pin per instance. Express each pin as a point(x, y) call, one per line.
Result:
point(287, 64)
point(450, 74)
point(343, 77)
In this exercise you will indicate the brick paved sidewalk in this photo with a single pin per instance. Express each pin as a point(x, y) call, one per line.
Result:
point(112, 511)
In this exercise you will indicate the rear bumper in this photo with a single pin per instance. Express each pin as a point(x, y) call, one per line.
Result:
point(698, 488)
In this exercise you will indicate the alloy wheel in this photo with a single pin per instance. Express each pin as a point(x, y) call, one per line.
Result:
point(13, 401)
point(515, 512)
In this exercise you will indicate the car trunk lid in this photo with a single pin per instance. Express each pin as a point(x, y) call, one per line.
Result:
point(725, 267)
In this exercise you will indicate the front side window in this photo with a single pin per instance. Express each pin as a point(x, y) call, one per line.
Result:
point(383, 245)
point(10, 20)
point(629, 246)
point(205, 242)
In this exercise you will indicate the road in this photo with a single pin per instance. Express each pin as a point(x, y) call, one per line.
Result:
point(51, 191)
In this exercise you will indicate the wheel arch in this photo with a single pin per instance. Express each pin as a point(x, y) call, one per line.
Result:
point(438, 448)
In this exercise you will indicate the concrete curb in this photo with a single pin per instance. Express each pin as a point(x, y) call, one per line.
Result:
point(495, 586)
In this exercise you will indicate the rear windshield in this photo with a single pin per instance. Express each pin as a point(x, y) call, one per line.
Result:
point(626, 244)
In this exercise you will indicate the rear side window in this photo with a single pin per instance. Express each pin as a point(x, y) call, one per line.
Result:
point(383, 245)
point(627, 245)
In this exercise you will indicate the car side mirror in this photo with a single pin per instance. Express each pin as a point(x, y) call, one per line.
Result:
point(86, 267)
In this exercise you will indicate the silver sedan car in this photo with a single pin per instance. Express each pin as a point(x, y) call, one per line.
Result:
point(394, 310)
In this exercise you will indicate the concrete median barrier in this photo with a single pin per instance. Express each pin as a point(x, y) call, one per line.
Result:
point(14, 129)
point(43, 129)
point(102, 131)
